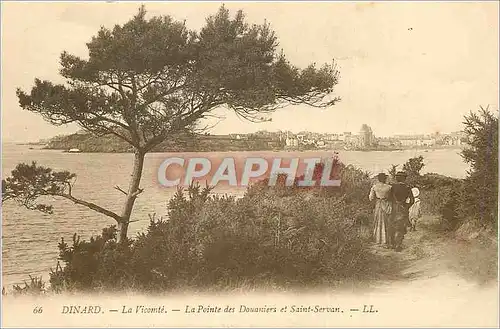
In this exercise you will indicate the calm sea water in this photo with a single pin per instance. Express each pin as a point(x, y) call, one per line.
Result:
point(29, 238)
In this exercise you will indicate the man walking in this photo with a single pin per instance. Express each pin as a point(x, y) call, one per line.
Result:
point(403, 200)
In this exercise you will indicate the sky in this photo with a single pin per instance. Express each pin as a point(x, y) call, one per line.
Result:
point(406, 68)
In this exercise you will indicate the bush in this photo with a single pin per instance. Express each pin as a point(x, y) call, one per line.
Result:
point(431, 181)
point(480, 194)
point(273, 236)
point(443, 197)
point(100, 262)
point(255, 240)
point(412, 167)
point(36, 286)
point(440, 195)
point(474, 198)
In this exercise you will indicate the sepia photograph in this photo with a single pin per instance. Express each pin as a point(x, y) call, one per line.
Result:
point(249, 164)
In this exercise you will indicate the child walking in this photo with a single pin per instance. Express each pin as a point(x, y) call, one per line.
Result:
point(415, 211)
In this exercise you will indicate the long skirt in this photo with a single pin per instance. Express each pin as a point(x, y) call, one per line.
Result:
point(383, 209)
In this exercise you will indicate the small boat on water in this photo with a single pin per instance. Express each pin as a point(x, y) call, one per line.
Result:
point(74, 151)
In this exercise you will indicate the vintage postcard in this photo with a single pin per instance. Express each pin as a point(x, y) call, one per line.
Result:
point(249, 164)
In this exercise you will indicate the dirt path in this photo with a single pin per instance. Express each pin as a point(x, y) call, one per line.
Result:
point(432, 252)
point(449, 280)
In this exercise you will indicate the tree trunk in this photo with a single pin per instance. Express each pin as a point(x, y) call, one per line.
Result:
point(133, 191)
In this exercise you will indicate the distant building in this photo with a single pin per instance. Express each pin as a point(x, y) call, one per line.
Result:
point(428, 141)
point(366, 138)
point(320, 144)
point(416, 140)
point(331, 137)
point(457, 138)
point(352, 141)
point(345, 136)
point(388, 142)
point(291, 142)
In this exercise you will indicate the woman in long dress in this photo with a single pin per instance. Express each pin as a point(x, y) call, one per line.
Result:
point(381, 192)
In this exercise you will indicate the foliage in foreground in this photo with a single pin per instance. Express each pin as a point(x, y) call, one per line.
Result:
point(475, 198)
point(276, 237)
point(36, 286)
point(480, 191)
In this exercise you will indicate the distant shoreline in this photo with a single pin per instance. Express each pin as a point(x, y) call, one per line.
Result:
point(425, 149)
point(88, 143)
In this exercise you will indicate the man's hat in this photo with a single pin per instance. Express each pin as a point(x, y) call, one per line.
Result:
point(400, 174)
point(382, 175)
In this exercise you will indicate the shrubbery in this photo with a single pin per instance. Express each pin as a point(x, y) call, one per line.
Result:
point(480, 189)
point(36, 286)
point(474, 198)
point(440, 195)
point(274, 236)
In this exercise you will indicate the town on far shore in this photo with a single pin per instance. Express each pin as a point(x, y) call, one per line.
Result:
point(365, 140)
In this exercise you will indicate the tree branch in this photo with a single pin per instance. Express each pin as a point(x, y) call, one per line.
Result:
point(136, 193)
point(93, 206)
point(119, 189)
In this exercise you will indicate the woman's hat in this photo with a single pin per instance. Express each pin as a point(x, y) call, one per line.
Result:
point(401, 174)
point(415, 191)
point(382, 175)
